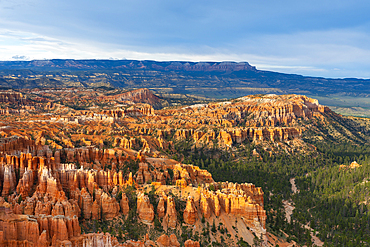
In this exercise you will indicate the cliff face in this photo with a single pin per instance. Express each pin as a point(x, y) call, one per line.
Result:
point(22, 230)
point(259, 119)
point(190, 212)
point(137, 110)
point(243, 200)
point(47, 197)
point(62, 172)
point(201, 66)
point(141, 95)
point(145, 209)
point(269, 118)
point(128, 64)
point(12, 98)
point(171, 213)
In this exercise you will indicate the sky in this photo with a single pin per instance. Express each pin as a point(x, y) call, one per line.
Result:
point(318, 37)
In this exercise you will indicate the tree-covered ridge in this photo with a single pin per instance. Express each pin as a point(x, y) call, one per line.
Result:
point(334, 199)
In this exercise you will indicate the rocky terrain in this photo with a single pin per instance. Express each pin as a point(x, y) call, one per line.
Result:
point(82, 167)
point(43, 199)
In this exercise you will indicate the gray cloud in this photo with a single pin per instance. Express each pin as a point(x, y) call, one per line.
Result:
point(312, 36)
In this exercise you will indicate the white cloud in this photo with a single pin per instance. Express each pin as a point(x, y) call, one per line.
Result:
point(328, 54)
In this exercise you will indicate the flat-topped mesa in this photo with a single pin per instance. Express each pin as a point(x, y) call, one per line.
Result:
point(243, 200)
point(205, 66)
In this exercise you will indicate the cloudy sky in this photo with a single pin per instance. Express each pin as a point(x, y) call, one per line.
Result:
point(316, 37)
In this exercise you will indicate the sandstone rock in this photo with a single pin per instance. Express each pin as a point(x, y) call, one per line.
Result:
point(161, 210)
point(181, 183)
point(171, 213)
point(13, 98)
point(57, 209)
point(217, 206)
point(243, 200)
point(9, 181)
point(163, 241)
point(110, 207)
point(42, 241)
point(354, 164)
point(29, 208)
point(191, 243)
point(205, 207)
point(145, 210)
point(47, 183)
point(25, 184)
point(173, 240)
point(71, 208)
point(86, 204)
point(142, 95)
point(99, 240)
point(190, 212)
point(225, 138)
point(59, 228)
point(124, 204)
point(96, 211)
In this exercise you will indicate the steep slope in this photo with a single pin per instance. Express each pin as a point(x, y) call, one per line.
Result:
point(50, 198)
point(75, 162)
point(142, 95)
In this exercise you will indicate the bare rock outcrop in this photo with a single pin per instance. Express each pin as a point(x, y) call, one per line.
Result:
point(190, 212)
point(110, 207)
point(191, 243)
point(124, 204)
point(161, 209)
point(145, 209)
point(171, 213)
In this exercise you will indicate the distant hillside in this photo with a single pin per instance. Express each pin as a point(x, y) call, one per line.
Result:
point(210, 79)
point(124, 64)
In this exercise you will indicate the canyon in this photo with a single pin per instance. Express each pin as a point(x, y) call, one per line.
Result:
point(72, 160)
